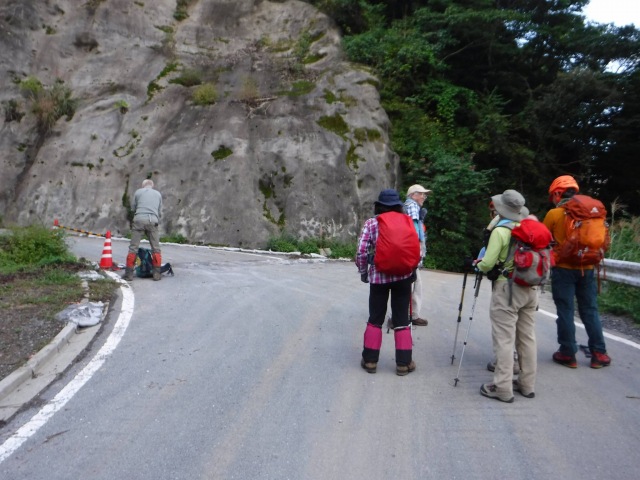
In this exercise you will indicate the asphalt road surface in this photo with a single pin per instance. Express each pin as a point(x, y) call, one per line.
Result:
point(247, 366)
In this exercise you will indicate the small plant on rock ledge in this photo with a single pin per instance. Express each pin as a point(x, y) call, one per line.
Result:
point(123, 106)
point(205, 94)
point(221, 153)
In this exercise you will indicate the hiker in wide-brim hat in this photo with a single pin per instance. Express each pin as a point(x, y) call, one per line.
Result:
point(513, 307)
point(389, 198)
point(510, 204)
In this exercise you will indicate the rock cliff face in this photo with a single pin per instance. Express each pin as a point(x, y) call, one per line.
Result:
point(243, 112)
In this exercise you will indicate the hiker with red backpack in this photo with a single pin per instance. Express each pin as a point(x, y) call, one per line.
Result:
point(497, 221)
point(387, 257)
point(513, 303)
point(578, 225)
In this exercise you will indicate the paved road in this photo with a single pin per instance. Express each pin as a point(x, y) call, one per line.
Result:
point(246, 366)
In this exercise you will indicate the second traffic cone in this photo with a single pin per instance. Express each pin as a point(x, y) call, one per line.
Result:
point(106, 261)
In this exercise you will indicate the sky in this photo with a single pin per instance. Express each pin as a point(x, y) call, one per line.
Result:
point(620, 12)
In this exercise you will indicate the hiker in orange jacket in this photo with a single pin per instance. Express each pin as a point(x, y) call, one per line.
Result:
point(567, 282)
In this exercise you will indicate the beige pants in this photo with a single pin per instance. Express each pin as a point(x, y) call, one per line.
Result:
point(511, 324)
point(416, 296)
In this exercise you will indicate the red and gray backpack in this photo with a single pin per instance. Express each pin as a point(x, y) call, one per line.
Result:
point(531, 251)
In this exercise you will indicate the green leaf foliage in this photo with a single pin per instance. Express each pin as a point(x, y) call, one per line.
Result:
point(523, 90)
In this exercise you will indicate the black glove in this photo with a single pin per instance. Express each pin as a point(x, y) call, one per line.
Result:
point(469, 263)
point(414, 275)
point(364, 277)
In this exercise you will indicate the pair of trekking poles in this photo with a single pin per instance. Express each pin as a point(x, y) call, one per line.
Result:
point(476, 286)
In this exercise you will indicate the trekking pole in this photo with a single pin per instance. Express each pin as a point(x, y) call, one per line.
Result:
point(455, 340)
point(473, 307)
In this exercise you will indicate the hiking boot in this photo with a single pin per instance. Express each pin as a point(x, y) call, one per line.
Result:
point(421, 322)
point(489, 390)
point(599, 360)
point(369, 366)
point(403, 370)
point(128, 274)
point(156, 274)
point(566, 360)
point(518, 388)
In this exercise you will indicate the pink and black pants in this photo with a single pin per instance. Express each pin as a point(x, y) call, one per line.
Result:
point(400, 292)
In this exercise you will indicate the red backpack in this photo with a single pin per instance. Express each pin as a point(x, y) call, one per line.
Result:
point(532, 255)
point(397, 248)
point(587, 232)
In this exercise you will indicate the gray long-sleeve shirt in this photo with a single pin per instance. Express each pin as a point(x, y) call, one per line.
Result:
point(147, 201)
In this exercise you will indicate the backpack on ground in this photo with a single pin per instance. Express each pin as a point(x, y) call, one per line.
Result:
point(397, 250)
point(144, 267)
point(531, 252)
point(587, 232)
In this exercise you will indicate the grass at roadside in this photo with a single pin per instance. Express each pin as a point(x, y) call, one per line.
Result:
point(617, 298)
point(38, 279)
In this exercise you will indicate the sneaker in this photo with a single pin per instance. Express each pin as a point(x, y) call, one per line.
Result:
point(517, 388)
point(599, 360)
point(491, 366)
point(403, 370)
point(420, 322)
point(566, 360)
point(369, 366)
point(489, 390)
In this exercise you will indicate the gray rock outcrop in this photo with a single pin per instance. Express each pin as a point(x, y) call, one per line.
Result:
point(243, 112)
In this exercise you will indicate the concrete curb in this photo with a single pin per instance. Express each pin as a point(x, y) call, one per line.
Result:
point(30, 369)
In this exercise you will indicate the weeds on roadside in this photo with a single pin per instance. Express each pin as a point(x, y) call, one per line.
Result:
point(287, 243)
point(38, 274)
point(174, 238)
point(618, 298)
point(29, 247)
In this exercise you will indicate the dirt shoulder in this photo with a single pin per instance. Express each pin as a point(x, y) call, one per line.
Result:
point(29, 306)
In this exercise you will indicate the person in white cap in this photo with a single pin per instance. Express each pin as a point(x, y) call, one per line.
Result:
point(413, 206)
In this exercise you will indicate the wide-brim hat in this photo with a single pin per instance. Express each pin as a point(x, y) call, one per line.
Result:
point(418, 189)
point(510, 205)
point(389, 198)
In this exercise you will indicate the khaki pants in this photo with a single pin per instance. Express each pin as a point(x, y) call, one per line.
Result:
point(416, 296)
point(511, 324)
point(145, 225)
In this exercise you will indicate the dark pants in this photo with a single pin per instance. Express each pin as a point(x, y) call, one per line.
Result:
point(400, 296)
point(567, 285)
point(378, 298)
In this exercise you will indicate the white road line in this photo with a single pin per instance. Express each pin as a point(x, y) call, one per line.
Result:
point(607, 335)
point(39, 419)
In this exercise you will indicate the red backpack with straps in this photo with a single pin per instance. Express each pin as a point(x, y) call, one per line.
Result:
point(397, 247)
point(587, 232)
point(532, 255)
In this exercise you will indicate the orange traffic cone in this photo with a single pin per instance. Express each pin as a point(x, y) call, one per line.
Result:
point(106, 262)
